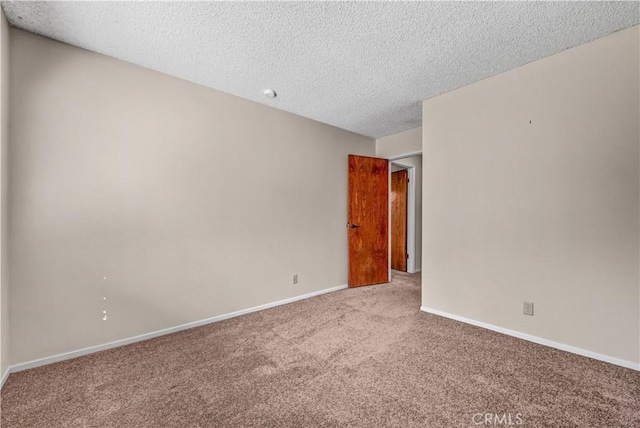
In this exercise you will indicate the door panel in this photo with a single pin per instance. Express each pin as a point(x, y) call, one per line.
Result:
point(368, 216)
point(399, 220)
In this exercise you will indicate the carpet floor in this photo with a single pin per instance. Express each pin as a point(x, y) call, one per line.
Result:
point(363, 357)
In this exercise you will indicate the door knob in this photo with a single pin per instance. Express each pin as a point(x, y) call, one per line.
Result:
point(352, 226)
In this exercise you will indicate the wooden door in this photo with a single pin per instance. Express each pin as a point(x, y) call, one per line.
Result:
point(368, 216)
point(399, 180)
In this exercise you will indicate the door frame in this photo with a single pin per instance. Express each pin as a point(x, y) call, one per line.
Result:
point(411, 210)
point(411, 216)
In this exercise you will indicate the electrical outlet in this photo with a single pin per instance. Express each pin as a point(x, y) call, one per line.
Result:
point(527, 308)
point(294, 279)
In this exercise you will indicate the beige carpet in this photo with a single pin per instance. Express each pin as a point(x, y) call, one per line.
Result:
point(364, 357)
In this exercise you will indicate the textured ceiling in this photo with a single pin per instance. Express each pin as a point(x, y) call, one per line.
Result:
point(364, 67)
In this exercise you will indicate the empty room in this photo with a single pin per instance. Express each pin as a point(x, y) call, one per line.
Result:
point(319, 214)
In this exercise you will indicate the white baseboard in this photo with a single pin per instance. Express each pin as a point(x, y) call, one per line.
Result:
point(90, 350)
point(4, 377)
point(536, 339)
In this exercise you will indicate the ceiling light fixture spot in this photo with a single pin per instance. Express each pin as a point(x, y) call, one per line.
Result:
point(270, 93)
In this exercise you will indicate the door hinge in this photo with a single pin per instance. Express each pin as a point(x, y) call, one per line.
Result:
point(407, 180)
point(407, 255)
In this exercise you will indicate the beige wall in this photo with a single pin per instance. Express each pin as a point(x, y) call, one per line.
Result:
point(402, 143)
point(532, 183)
point(4, 141)
point(416, 163)
point(190, 202)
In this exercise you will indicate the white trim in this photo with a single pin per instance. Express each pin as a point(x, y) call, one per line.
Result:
point(90, 350)
point(389, 222)
point(4, 377)
point(536, 339)
point(405, 155)
point(411, 220)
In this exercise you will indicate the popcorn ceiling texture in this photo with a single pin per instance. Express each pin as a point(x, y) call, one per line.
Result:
point(364, 67)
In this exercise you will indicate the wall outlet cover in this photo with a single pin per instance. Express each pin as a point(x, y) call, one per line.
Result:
point(527, 308)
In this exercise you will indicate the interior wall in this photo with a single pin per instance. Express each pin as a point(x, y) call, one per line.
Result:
point(532, 179)
point(402, 143)
point(416, 163)
point(159, 201)
point(4, 229)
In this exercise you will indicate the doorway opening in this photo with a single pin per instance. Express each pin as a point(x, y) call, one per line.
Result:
point(399, 195)
point(405, 213)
